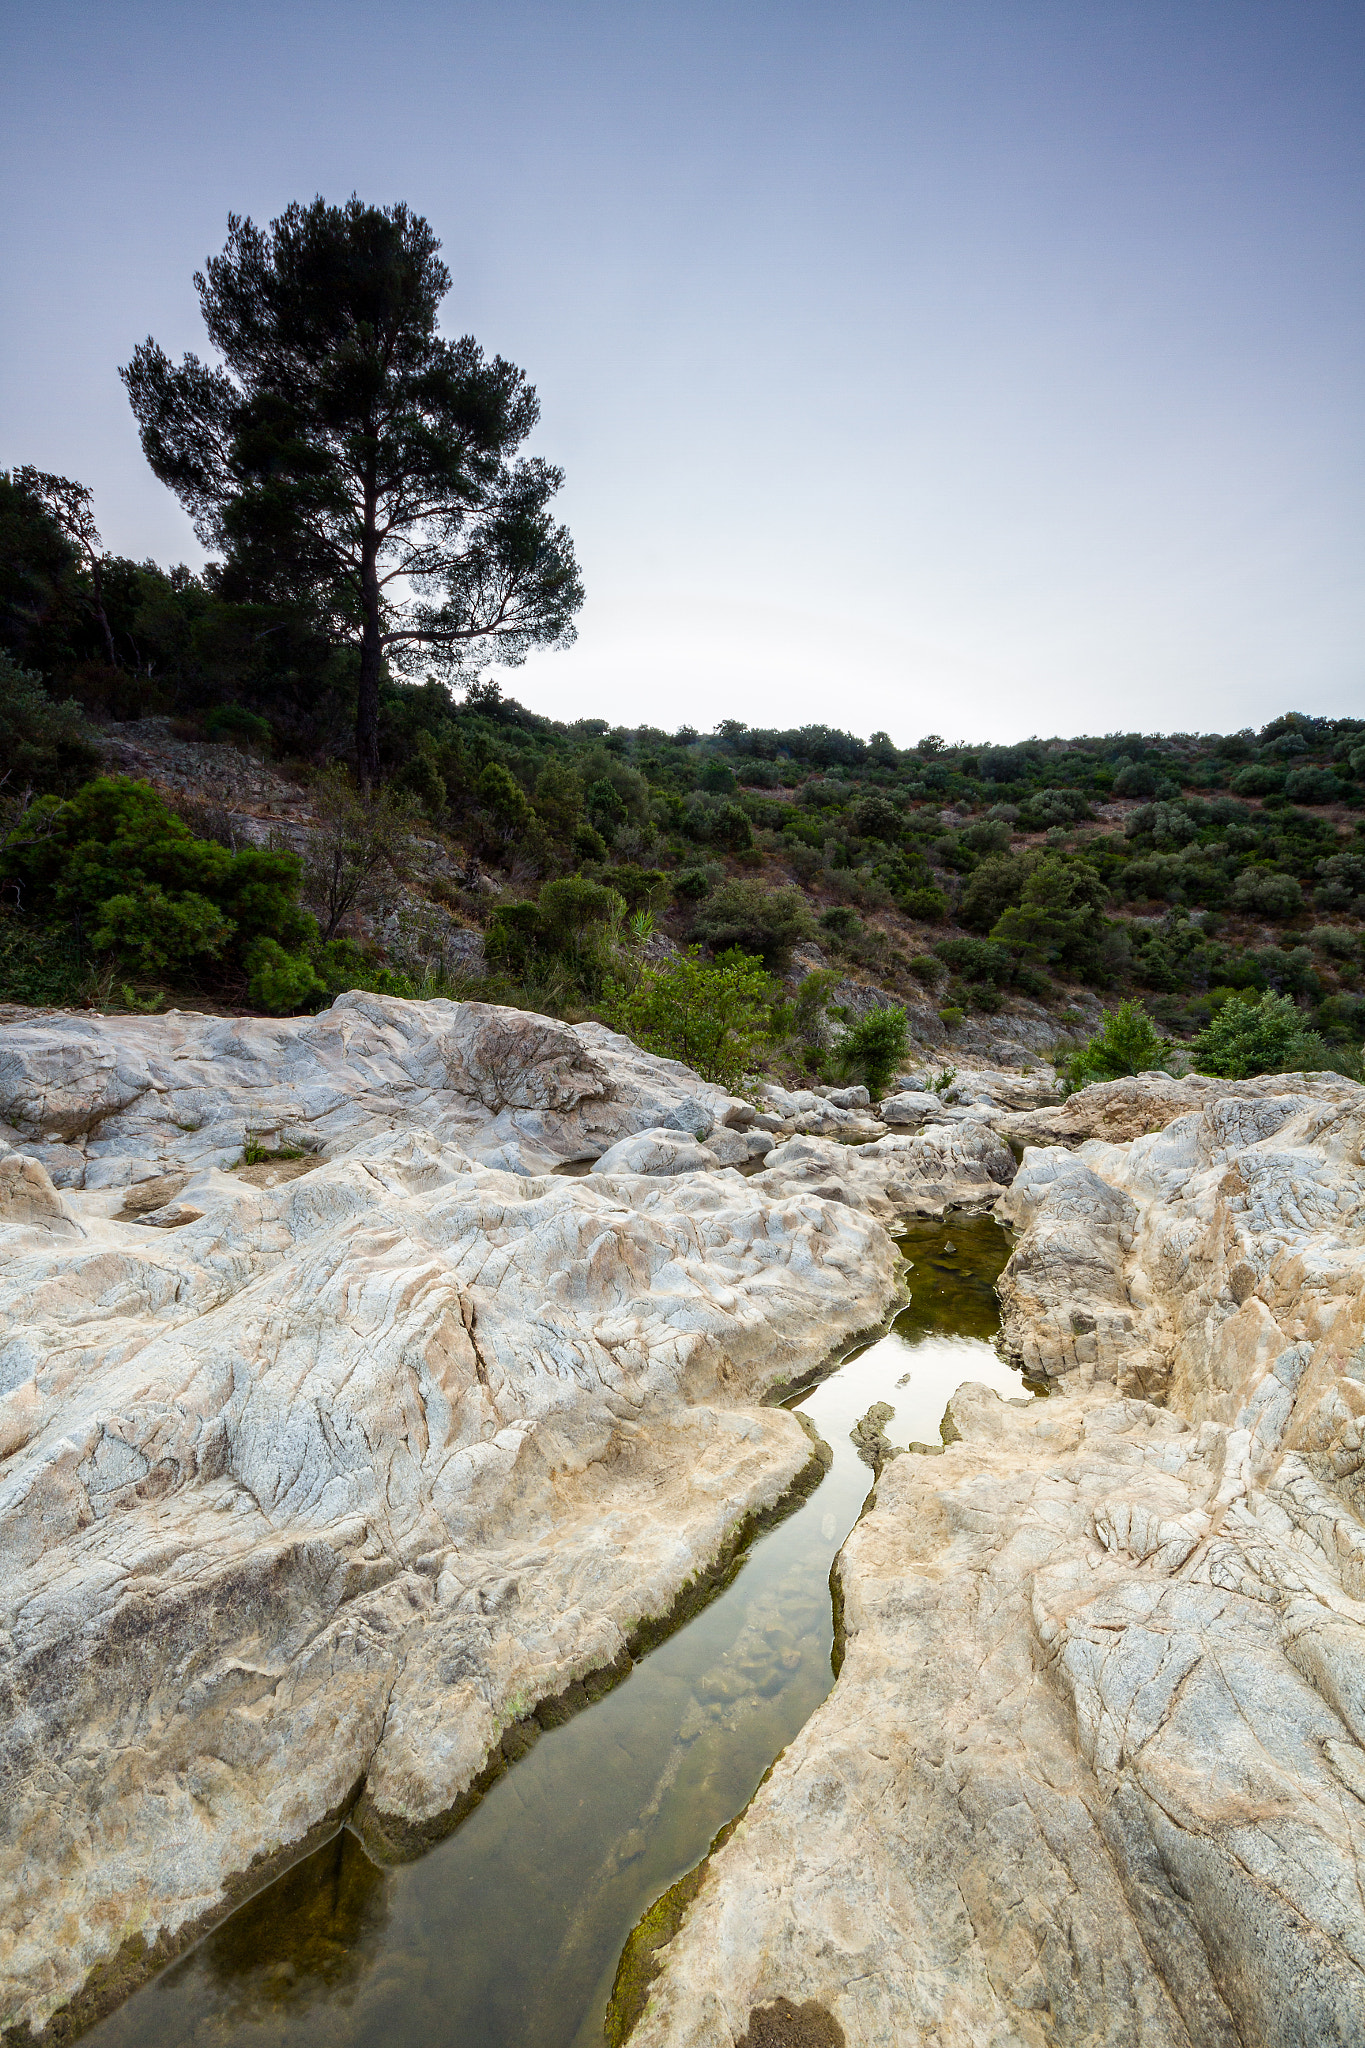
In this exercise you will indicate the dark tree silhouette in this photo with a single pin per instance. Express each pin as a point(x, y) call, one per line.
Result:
point(347, 458)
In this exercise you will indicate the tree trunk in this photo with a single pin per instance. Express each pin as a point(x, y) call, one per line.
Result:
point(371, 657)
point(97, 580)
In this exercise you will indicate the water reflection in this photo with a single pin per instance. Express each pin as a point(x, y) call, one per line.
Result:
point(509, 1932)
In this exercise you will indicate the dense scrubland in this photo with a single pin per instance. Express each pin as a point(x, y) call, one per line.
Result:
point(383, 541)
point(1183, 871)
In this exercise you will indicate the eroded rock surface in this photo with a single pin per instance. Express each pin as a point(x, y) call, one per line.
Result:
point(319, 1473)
point(1094, 1767)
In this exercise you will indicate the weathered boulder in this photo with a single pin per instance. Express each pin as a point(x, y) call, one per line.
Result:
point(660, 1151)
point(312, 1490)
point(1094, 1767)
point(1093, 1770)
point(958, 1165)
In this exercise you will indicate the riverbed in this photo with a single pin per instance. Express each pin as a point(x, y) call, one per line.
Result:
point(510, 1930)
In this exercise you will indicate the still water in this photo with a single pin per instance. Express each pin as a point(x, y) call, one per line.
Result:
point(509, 1932)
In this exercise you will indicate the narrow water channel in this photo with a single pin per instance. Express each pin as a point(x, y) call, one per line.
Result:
point(508, 1933)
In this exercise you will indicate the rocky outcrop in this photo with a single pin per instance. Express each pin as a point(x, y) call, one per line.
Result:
point(1092, 1770)
point(1094, 1767)
point(321, 1476)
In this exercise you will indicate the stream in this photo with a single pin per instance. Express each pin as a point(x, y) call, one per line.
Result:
point(509, 1931)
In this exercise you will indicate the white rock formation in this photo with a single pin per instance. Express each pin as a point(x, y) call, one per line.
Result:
point(312, 1487)
point(1094, 1768)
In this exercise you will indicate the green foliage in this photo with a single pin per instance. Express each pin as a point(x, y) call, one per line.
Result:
point(952, 1015)
point(690, 885)
point(279, 982)
point(1312, 786)
point(504, 799)
point(874, 1047)
point(160, 934)
point(1337, 941)
point(841, 922)
point(715, 1019)
point(1259, 892)
point(766, 922)
point(235, 722)
point(1341, 883)
point(558, 798)
point(928, 968)
point(606, 807)
point(326, 328)
point(1265, 1037)
point(717, 778)
point(874, 817)
point(995, 887)
point(1257, 779)
point(44, 747)
point(928, 904)
point(115, 863)
point(40, 963)
point(1060, 917)
point(979, 959)
point(1127, 1042)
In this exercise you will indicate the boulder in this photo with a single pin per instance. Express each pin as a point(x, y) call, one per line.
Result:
point(658, 1152)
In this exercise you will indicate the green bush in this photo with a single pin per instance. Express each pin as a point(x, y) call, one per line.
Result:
point(951, 1015)
point(505, 801)
point(926, 967)
point(1059, 917)
point(1337, 941)
point(978, 958)
point(1260, 892)
point(1312, 786)
point(1127, 1042)
point(874, 1047)
point(1257, 779)
point(588, 843)
point(716, 1019)
point(279, 982)
point(764, 922)
point(995, 887)
point(875, 817)
point(1265, 1037)
point(691, 884)
point(929, 905)
point(235, 722)
point(117, 865)
point(717, 779)
point(44, 747)
point(842, 922)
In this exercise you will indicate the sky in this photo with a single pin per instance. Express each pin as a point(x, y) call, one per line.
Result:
point(991, 368)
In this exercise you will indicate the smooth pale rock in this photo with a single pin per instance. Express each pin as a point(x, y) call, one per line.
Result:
point(959, 1165)
point(1092, 1771)
point(742, 1148)
point(326, 1485)
point(657, 1152)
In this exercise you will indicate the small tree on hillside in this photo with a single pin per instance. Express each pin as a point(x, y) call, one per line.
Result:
point(347, 457)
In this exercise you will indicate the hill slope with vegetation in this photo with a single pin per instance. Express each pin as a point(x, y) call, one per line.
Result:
point(1184, 872)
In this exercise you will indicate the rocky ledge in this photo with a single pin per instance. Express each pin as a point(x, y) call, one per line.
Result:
point(345, 1435)
point(1094, 1767)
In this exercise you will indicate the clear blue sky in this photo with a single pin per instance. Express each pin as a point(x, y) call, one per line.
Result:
point(981, 368)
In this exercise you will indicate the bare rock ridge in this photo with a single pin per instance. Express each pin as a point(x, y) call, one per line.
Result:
point(320, 1476)
point(1094, 1767)
point(325, 1480)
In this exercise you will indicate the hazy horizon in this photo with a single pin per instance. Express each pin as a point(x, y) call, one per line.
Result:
point(987, 369)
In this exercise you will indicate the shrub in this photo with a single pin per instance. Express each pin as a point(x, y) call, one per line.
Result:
point(717, 779)
point(641, 888)
point(713, 1018)
point(767, 923)
point(1137, 779)
point(690, 885)
point(996, 886)
point(1341, 883)
point(875, 817)
point(588, 843)
point(1337, 941)
point(977, 958)
point(504, 800)
point(43, 746)
point(235, 722)
point(842, 922)
point(987, 836)
point(559, 798)
point(1127, 1042)
point(1048, 807)
point(1312, 786)
point(1265, 1037)
point(1259, 892)
point(951, 1015)
point(1059, 917)
point(1257, 779)
point(281, 983)
point(421, 779)
point(926, 967)
point(114, 861)
point(928, 904)
point(874, 1047)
